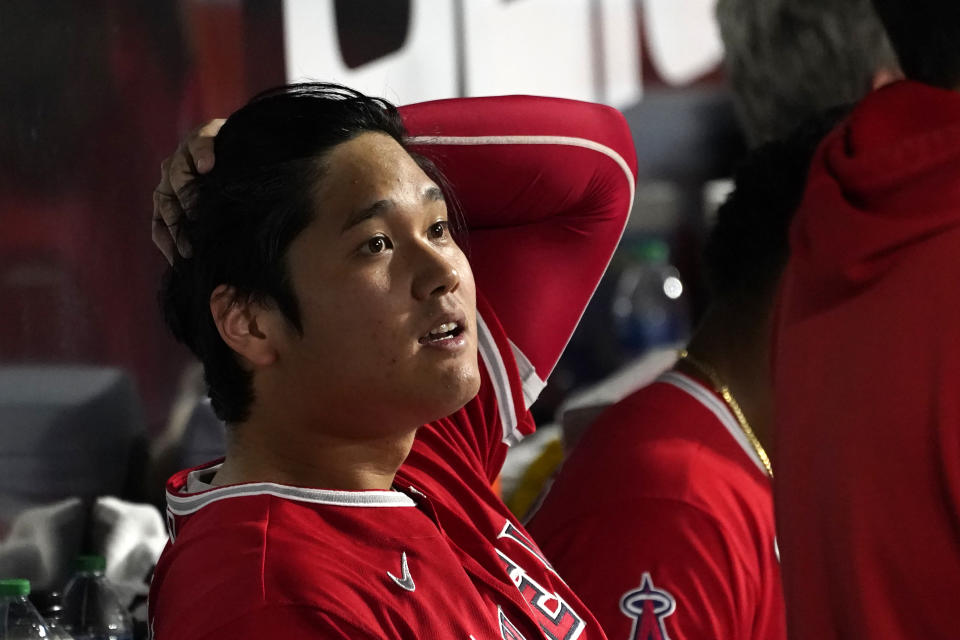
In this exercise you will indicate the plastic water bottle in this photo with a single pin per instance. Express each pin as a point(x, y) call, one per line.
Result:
point(56, 631)
point(649, 305)
point(48, 604)
point(91, 609)
point(52, 614)
point(19, 620)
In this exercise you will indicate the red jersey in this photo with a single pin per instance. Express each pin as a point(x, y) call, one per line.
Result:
point(662, 520)
point(867, 377)
point(545, 185)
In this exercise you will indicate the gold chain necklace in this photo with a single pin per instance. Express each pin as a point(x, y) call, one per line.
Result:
point(724, 392)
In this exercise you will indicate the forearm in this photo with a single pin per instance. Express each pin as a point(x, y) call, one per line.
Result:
point(520, 159)
point(545, 185)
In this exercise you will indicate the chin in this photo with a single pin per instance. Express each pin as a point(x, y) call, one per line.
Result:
point(458, 389)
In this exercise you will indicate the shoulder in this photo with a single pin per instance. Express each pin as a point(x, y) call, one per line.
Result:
point(262, 553)
point(661, 445)
point(671, 430)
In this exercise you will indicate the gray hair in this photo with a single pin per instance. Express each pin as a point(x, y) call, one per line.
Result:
point(788, 60)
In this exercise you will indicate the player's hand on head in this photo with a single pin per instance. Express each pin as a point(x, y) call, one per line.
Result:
point(194, 156)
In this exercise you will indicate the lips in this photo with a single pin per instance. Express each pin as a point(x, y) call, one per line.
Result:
point(446, 328)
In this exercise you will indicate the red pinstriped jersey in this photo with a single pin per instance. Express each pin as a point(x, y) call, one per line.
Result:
point(662, 521)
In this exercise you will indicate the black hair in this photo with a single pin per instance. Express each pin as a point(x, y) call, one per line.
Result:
point(789, 60)
point(244, 214)
point(748, 246)
point(926, 36)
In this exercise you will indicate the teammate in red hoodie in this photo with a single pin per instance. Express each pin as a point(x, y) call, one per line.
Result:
point(371, 387)
point(867, 357)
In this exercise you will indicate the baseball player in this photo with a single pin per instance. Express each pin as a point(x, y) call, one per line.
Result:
point(662, 517)
point(371, 376)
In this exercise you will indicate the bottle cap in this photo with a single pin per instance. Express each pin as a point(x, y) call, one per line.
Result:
point(652, 250)
point(14, 587)
point(91, 563)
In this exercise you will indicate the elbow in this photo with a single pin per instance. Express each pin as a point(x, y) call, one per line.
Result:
point(615, 130)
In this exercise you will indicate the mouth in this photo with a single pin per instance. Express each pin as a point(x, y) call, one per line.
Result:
point(447, 331)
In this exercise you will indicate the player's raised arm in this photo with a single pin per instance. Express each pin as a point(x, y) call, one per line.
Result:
point(546, 186)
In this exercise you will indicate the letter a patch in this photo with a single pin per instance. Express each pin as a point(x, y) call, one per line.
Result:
point(648, 606)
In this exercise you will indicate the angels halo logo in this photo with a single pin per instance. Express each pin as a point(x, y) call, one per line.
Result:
point(648, 606)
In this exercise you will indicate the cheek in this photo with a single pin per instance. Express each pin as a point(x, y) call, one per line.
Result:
point(466, 274)
point(384, 340)
point(377, 325)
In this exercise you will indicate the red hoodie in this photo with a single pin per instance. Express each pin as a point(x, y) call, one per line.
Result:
point(867, 377)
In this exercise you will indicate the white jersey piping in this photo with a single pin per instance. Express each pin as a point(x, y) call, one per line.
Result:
point(182, 505)
point(716, 406)
point(529, 380)
point(501, 382)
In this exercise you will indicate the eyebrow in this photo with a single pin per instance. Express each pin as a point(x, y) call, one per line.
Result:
point(430, 194)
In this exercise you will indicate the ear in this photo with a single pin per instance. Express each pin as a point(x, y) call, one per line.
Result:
point(886, 75)
point(247, 327)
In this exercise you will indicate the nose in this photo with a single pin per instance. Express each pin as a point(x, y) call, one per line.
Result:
point(437, 273)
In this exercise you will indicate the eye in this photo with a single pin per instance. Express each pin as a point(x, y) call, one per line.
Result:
point(438, 229)
point(377, 244)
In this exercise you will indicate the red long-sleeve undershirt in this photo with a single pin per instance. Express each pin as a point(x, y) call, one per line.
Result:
point(546, 186)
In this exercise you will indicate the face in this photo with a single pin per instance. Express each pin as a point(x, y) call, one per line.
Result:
point(387, 298)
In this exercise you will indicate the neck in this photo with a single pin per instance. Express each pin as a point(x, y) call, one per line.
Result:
point(263, 450)
point(738, 349)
